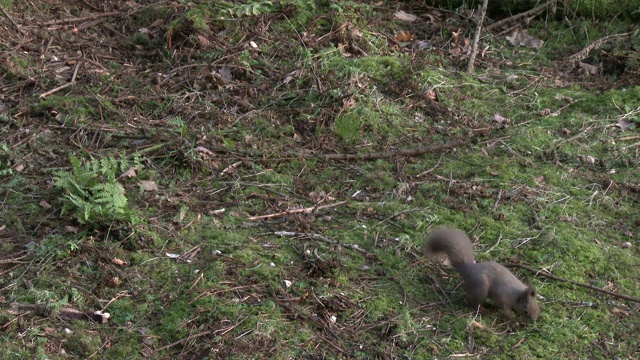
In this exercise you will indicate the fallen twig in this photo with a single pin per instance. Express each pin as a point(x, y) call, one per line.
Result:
point(218, 332)
point(421, 150)
point(295, 211)
point(65, 312)
point(12, 21)
point(495, 204)
point(476, 37)
point(551, 276)
point(70, 83)
point(89, 24)
point(430, 170)
point(81, 19)
point(534, 11)
point(582, 54)
point(324, 239)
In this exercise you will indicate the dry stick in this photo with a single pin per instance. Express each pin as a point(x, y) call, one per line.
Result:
point(89, 24)
point(323, 239)
point(534, 11)
point(582, 54)
point(430, 170)
point(421, 150)
point(65, 312)
point(476, 37)
point(12, 22)
point(70, 83)
point(386, 154)
point(495, 204)
point(80, 19)
point(550, 276)
point(204, 333)
point(295, 211)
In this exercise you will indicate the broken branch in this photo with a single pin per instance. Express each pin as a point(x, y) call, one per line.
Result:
point(295, 211)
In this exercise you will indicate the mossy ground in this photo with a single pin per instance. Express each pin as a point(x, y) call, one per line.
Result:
point(222, 102)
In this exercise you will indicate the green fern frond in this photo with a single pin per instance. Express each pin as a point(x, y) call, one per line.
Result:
point(176, 121)
point(254, 8)
point(91, 191)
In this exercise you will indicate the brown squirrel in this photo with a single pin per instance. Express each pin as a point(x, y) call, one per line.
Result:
point(486, 279)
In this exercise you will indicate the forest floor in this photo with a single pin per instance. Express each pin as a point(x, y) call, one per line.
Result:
point(256, 180)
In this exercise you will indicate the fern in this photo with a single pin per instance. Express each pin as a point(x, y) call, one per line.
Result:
point(91, 191)
point(176, 121)
point(254, 8)
point(5, 164)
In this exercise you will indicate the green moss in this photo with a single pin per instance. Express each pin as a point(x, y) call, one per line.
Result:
point(526, 189)
point(73, 109)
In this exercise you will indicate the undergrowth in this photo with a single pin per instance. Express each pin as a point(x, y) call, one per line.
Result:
point(241, 244)
point(92, 193)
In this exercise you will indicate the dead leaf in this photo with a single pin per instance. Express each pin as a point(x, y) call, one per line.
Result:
point(115, 281)
point(421, 45)
point(617, 311)
point(45, 204)
point(522, 38)
point(590, 69)
point(404, 36)
point(217, 212)
point(588, 159)
point(455, 51)
point(203, 150)
point(147, 338)
point(290, 76)
point(118, 262)
point(147, 352)
point(355, 32)
point(432, 95)
point(404, 16)
point(455, 37)
point(231, 167)
point(501, 119)
point(131, 172)
point(225, 73)
point(204, 41)
point(477, 325)
point(624, 124)
point(349, 103)
point(19, 167)
point(148, 185)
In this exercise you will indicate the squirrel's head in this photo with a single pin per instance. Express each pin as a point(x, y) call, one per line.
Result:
point(527, 306)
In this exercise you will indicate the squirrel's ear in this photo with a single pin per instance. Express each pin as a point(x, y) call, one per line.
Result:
point(526, 296)
point(531, 292)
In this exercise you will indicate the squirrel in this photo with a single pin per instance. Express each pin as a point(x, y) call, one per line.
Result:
point(485, 279)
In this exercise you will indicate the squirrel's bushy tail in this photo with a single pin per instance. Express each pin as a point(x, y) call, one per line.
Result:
point(454, 243)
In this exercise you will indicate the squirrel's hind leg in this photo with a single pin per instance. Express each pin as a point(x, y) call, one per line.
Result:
point(477, 295)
